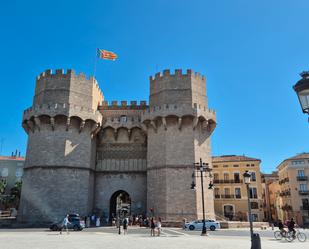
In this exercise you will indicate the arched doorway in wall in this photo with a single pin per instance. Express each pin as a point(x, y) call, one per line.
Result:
point(229, 211)
point(120, 204)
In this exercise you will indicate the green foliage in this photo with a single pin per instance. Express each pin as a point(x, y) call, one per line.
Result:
point(15, 194)
point(12, 200)
point(2, 186)
point(16, 190)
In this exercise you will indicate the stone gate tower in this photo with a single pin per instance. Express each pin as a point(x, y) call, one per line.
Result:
point(86, 155)
point(61, 127)
point(179, 128)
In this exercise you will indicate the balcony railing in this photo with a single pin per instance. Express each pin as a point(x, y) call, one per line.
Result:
point(305, 208)
point(287, 207)
point(302, 178)
point(303, 192)
point(285, 193)
point(220, 181)
point(284, 180)
point(227, 196)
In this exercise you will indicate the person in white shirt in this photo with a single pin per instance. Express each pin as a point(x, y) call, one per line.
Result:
point(65, 223)
point(158, 225)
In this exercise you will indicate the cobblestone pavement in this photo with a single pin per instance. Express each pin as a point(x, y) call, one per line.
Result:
point(137, 238)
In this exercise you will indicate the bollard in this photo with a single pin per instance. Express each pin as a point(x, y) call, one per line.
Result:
point(256, 241)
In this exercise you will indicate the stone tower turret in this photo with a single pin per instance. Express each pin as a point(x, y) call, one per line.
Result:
point(61, 127)
point(179, 125)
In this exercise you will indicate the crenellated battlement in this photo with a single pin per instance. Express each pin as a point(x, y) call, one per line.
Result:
point(67, 74)
point(65, 109)
point(177, 73)
point(178, 110)
point(62, 86)
point(123, 105)
point(49, 73)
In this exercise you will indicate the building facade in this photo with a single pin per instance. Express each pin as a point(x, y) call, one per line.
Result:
point(230, 191)
point(293, 199)
point(11, 170)
point(271, 190)
point(86, 155)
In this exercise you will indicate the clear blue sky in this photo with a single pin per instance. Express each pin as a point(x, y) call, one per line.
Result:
point(250, 51)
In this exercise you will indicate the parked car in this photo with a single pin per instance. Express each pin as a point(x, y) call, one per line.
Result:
point(198, 225)
point(76, 223)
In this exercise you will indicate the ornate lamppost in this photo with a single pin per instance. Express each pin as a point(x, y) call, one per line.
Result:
point(202, 168)
point(302, 90)
point(255, 237)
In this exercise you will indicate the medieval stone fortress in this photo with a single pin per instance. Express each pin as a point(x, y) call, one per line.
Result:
point(86, 154)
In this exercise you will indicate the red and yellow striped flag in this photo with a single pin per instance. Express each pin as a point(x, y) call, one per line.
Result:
point(107, 55)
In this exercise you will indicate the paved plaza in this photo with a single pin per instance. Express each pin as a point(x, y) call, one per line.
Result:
point(138, 238)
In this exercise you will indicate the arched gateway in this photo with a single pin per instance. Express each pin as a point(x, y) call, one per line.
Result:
point(120, 204)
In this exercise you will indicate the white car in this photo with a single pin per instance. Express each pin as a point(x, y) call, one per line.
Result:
point(198, 225)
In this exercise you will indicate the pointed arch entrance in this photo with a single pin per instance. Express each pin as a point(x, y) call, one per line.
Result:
point(120, 204)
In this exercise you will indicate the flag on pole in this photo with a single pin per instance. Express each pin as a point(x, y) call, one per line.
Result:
point(107, 55)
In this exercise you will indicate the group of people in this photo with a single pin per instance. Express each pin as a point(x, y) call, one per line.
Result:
point(155, 225)
point(290, 224)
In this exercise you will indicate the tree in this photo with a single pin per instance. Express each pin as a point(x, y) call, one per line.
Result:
point(2, 186)
point(15, 194)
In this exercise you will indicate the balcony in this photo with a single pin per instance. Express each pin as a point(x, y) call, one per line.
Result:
point(285, 193)
point(302, 178)
point(238, 196)
point(304, 208)
point(217, 196)
point(220, 181)
point(287, 207)
point(303, 192)
point(227, 196)
point(284, 180)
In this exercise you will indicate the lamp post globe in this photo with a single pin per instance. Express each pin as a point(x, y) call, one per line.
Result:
point(247, 177)
point(302, 90)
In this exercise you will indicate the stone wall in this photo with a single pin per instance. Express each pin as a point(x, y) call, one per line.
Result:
point(135, 184)
point(49, 193)
point(179, 128)
point(60, 160)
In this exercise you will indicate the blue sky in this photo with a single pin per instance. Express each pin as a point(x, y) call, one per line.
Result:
point(250, 51)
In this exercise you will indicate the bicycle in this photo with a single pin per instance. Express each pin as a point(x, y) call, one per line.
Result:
point(299, 235)
point(280, 234)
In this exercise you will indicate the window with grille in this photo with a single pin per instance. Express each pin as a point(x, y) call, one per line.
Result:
point(253, 193)
point(300, 172)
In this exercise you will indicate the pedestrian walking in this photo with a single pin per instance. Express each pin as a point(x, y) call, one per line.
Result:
point(98, 222)
point(152, 227)
point(158, 225)
point(93, 219)
point(65, 223)
point(125, 226)
point(85, 220)
point(88, 221)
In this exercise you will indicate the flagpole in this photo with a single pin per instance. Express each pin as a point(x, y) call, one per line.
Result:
point(95, 63)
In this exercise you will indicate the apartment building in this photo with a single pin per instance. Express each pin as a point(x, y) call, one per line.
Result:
point(230, 191)
point(294, 189)
point(271, 190)
point(11, 170)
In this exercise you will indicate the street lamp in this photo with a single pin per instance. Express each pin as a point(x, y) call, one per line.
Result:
point(255, 238)
point(202, 167)
point(302, 90)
